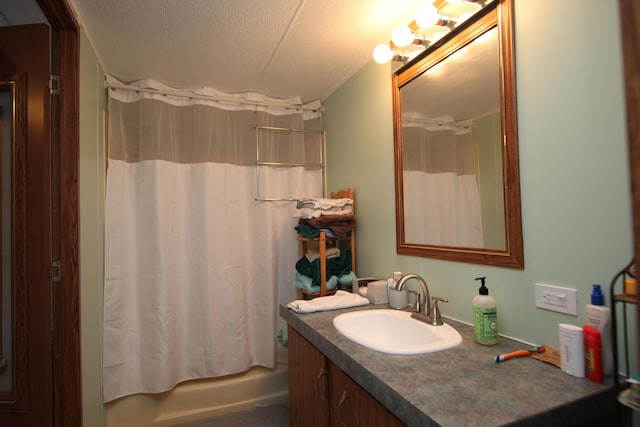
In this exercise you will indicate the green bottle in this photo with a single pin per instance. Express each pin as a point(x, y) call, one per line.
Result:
point(485, 316)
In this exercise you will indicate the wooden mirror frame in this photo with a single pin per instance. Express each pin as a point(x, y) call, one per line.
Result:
point(497, 14)
point(15, 399)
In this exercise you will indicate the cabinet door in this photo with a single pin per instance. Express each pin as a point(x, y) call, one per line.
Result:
point(352, 406)
point(308, 383)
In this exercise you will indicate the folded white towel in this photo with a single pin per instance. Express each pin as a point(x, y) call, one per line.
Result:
point(325, 204)
point(341, 299)
point(309, 213)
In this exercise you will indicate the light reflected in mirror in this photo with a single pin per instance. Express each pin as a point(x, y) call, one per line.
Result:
point(457, 188)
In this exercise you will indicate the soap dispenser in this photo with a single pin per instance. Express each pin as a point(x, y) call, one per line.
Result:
point(485, 316)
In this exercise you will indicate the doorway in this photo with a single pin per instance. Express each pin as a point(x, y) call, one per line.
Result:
point(40, 228)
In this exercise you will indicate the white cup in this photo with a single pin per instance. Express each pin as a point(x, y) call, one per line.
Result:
point(398, 299)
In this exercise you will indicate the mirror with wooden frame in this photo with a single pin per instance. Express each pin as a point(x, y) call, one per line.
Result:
point(13, 287)
point(455, 146)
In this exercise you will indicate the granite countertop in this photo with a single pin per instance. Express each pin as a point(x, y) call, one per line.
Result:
point(462, 386)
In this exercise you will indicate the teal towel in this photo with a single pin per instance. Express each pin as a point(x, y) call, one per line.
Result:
point(337, 266)
point(283, 337)
point(303, 282)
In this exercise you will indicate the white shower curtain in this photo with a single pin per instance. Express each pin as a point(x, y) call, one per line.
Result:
point(194, 267)
point(447, 214)
point(442, 202)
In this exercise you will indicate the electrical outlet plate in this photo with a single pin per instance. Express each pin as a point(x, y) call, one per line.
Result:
point(556, 298)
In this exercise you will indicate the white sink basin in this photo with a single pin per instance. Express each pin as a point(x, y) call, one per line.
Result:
point(395, 332)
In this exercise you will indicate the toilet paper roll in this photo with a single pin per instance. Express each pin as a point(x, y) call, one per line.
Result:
point(571, 349)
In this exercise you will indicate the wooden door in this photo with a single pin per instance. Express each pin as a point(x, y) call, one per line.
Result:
point(26, 396)
point(630, 23)
point(308, 387)
point(351, 405)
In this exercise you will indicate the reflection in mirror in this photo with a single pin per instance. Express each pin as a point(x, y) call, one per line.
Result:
point(449, 145)
point(6, 134)
point(457, 189)
point(13, 276)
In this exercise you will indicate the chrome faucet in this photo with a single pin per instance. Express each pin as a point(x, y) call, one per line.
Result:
point(426, 308)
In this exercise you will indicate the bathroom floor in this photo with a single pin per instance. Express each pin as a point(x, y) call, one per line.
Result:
point(267, 416)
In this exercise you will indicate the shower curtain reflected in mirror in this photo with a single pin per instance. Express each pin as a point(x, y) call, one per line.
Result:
point(442, 203)
point(194, 267)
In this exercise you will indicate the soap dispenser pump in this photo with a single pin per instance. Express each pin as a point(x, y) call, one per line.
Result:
point(485, 316)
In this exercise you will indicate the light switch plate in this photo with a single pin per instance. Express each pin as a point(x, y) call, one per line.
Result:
point(557, 298)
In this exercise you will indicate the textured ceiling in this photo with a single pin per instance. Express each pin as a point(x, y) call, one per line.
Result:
point(281, 48)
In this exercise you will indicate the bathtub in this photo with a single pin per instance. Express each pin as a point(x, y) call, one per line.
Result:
point(201, 399)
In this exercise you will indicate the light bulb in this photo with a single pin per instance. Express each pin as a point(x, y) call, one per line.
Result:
point(402, 36)
point(427, 16)
point(382, 54)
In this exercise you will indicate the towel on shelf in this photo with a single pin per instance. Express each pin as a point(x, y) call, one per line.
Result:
point(337, 266)
point(314, 208)
point(316, 213)
point(334, 225)
point(324, 204)
point(305, 283)
point(341, 299)
point(314, 253)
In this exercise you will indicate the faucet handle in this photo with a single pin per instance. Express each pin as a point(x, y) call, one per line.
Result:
point(436, 316)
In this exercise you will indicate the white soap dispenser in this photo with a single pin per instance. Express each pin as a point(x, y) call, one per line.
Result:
point(485, 316)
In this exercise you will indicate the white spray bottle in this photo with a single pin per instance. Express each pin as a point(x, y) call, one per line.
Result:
point(599, 316)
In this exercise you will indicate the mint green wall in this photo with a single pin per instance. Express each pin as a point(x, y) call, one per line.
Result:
point(92, 176)
point(573, 166)
point(574, 178)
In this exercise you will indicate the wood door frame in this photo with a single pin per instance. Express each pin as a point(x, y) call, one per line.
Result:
point(65, 55)
point(630, 27)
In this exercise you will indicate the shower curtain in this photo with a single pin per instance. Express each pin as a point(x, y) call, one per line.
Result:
point(194, 267)
point(440, 182)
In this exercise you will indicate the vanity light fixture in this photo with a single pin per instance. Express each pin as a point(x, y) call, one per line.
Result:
point(432, 21)
point(427, 16)
point(402, 36)
point(383, 53)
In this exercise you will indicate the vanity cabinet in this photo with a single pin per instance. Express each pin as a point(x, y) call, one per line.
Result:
point(308, 383)
point(321, 394)
point(353, 406)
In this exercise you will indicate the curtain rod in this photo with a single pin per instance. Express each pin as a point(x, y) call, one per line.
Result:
point(238, 100)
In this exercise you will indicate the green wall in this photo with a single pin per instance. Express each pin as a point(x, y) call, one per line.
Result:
point(573, 163)
point(92, 178)
point(573, 167)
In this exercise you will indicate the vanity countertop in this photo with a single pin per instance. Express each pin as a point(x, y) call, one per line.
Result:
point(463, 386)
